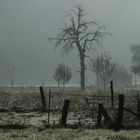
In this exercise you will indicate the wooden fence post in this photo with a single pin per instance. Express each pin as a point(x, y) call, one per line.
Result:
point(49, 106)
point(105, 114)
point(138, 106)
point(99, 117)
point(112, 94)
point(42, 99)
point(65, 112)
point(102, 112)
point(120, 111)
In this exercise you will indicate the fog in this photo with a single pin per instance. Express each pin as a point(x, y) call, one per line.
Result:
point(26, 24)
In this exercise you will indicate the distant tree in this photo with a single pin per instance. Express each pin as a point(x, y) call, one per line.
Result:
point(57, 75)
point(103, 66)
point(81, 34)
point(122, 76)
point(135, 49)
point(11, 73)
point(62, 74)
point(135, 67)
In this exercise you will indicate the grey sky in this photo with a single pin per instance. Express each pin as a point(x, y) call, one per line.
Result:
point(26, 24)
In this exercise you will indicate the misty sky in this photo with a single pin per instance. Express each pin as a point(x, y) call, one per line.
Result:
point(26, 24)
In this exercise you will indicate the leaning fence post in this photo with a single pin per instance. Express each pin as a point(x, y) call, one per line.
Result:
point(42, 99)
point(112, 94)
point(120, 111)
point(49, 106)
point(65, 112)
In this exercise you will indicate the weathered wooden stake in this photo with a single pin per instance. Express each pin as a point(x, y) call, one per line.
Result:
point(99, 117)
point(102, 112)
point(105, 114)
point(65, 112)
point(120, 111)
point(42, 99)
point(138, 106)
point(49, 106)
point(112, 94)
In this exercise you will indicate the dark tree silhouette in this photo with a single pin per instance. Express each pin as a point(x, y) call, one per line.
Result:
point(121, 76)
point(11, 73)
point(57, 76)
point(103, 66)
point(135, 49)
point(62, 74)
point(135, 68)
point(81, 34)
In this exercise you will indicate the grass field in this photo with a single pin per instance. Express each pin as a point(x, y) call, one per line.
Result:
point(69, 134)
point(21, 118)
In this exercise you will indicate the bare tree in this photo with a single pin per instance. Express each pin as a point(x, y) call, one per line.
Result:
point(81, 34)
point(57, 75)
point(135, 68)
point(135, 49)
point(11, 73)
point(103, 67)
point(121, 76)
point(62, 74)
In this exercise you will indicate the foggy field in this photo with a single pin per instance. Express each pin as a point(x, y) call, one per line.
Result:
point(69, 70)
point(21, 117)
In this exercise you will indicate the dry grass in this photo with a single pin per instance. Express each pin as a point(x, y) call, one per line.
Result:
point(70, 134)
point(32, 125)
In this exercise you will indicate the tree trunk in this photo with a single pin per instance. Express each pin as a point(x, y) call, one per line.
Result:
point(58, 84)
point(135, 80)
point(12, 82)
point(63, 85)
point(104, 80)
point(82, 72)
point(97, 80)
